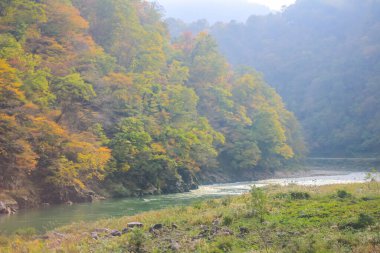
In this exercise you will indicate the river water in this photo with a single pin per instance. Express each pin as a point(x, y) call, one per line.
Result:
point(43, 219)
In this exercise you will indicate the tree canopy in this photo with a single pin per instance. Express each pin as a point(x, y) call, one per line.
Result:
point(94, 96)
point(323, 59)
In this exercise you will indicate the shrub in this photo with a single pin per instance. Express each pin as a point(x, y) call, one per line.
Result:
point(343, 194)
point(363, 221)
point(117, 190)
point(367, 198)
point(227, 220)
point(281, 196)
point(136, 240)
point(258, 203)
point(299, 195)
point(222, 245)
point(225, 246)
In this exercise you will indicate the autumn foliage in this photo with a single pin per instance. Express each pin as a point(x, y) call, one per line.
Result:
point(94, 97)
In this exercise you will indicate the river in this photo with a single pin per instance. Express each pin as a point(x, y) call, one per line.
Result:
point(43, 219)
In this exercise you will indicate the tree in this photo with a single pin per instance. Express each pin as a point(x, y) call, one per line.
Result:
point(18, 15)
point(17, 158)
point(130, 141)
point(10, 94)
point(72, 93)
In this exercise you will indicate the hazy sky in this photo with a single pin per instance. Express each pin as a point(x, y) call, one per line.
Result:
point(272, 4)
point(219, 10)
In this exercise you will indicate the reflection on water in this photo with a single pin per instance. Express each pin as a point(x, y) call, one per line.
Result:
point(49, 218)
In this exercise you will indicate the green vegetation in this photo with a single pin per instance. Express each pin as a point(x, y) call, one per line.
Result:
point(95, 99)
point(323, 59)
point(266, 220)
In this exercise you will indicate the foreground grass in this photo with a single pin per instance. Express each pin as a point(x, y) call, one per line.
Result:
point(336, 218)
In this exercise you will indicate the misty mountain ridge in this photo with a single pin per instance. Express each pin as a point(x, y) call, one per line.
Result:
point(213, 11)
point(323, 57)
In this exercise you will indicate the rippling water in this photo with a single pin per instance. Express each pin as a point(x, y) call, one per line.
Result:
point(43, 219)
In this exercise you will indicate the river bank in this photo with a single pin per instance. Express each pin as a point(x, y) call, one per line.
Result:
point(293, 218)
point(51, 217)
point(27, 199)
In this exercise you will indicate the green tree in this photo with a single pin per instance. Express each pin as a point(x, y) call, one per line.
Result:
point(71, 92)
point(130, 141)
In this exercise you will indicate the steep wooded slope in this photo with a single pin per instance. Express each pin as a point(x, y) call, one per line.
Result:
point(95, 99)
point(323, 57)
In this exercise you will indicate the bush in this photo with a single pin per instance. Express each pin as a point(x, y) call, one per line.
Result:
point(258, 203)
point(367, 198)
point(343, 194)
point(363, 221)
point(136, 240)
point(225, 246)
point(281, 196)
point(222, 245)
point(299, 195)
point(117, 190)
point(227, 220)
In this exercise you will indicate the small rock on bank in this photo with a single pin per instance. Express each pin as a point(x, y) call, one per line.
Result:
point(157, 226)
point(174, 246)
point(115, 233)
point(95, 235)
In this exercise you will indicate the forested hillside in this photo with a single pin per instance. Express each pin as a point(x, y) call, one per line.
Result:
point(94, 99)
point(323, 57)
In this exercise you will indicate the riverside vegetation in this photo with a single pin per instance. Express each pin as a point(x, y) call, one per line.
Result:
point(334, 218)
point(95, 100)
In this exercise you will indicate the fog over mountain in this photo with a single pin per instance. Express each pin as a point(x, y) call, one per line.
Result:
point(212, 10)
point(323, 57)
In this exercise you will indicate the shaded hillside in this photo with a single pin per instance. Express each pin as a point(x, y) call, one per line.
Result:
point(323, 57)
point(95, 99)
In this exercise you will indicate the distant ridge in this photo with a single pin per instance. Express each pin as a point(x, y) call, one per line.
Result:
point(212, 10)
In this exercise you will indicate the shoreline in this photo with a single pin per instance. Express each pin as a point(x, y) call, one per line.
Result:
point(309, 167)
point(113, 207)
point(299, 173)
point(206, 226)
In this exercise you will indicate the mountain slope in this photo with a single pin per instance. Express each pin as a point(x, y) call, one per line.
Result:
point(94, 99)
point(323, 57)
